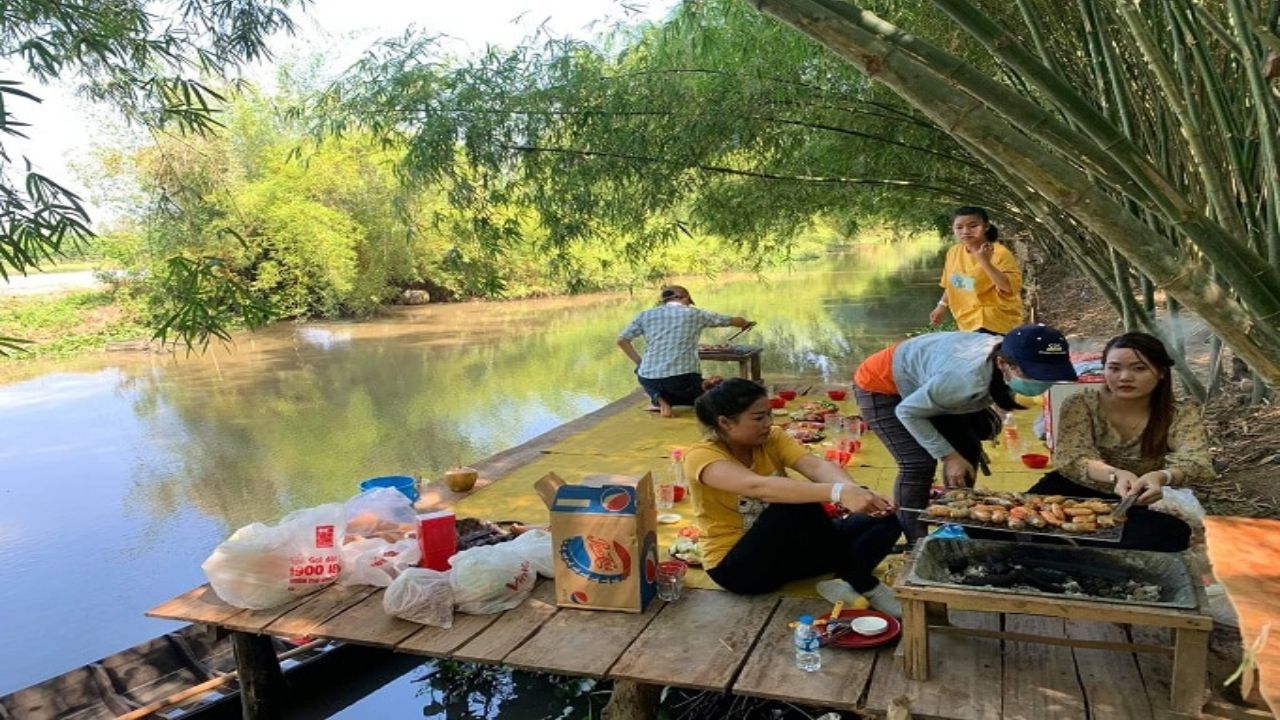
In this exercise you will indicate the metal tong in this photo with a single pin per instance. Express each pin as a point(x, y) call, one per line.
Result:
point(740, 331)
point(1127, 502)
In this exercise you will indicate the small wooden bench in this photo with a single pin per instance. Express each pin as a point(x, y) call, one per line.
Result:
point(748, 360)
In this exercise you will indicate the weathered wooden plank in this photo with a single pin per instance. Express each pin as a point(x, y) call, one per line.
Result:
point(963, 599)
point(1040, 680)
point(368, 624)
point(1156, 670)
point(1112, 685)
point(441, 642)
point(965, 677)
point(256, 621)
point(770, 671)
point(321, 606)
point(699, 641)
point(512, 627)
point(581, 642)
point(198, 605)
point(1190, 663)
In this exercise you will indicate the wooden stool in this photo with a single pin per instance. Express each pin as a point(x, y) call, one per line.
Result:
point(748, 360)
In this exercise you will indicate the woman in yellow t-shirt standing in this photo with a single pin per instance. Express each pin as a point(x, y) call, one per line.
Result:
point(762, 529)
point(981, 283)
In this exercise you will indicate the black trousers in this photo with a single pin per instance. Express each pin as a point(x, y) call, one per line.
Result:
point(676, 390)
point(797, 541)
point(1144, 529)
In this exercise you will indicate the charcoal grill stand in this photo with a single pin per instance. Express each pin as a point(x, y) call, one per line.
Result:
point(924, 608)
point(748, 360)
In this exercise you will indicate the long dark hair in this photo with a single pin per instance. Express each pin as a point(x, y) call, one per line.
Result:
point(1155, 438)
point(992, 233)
point(728, 399)
point(998, 389)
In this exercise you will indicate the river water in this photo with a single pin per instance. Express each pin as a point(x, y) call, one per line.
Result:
point(120, 472)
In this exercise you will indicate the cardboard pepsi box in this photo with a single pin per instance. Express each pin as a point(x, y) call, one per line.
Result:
point(604, 539)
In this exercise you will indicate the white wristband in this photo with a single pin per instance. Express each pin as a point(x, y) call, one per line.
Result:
point(942, 303)
point(835, 492)
point(1168, 477)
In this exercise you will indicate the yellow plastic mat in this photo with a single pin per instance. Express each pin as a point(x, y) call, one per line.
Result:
point(634, 442)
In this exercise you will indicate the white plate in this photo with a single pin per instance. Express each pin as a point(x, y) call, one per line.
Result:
point(869, 625)
point(668, 518)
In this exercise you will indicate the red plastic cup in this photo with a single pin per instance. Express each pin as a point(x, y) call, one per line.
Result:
point(844, 457)
point(777, 402)
point(787, 395)
point(836, 394)
point(833, 455)
point(437, 538)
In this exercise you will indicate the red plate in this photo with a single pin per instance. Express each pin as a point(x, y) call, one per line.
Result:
point(855, 640)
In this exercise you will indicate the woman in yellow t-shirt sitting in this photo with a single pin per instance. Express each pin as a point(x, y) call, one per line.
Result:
point(981, 281)
point(762, 529)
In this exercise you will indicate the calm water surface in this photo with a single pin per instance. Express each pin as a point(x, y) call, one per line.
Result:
point(119, 473)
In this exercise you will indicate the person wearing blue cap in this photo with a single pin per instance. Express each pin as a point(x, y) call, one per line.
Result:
point(928, 399)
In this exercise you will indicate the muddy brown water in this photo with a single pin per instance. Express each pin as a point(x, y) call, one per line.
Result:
point(119, 472)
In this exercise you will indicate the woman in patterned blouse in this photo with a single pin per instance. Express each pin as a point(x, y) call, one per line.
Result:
point(1130, 436)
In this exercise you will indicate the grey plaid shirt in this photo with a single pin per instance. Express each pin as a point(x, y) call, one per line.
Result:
point(671, 334)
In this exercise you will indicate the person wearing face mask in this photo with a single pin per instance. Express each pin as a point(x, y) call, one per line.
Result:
point(920, 391)
point(980, 277)
point(762, 529)
point(1130, 436)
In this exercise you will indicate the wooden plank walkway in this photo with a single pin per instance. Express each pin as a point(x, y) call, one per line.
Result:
point(717, 641)
point(721, 642)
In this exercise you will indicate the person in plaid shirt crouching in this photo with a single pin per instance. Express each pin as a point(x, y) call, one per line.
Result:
point(669, 371)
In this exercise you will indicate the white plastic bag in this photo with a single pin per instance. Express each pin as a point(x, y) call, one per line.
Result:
point(261, 566)
point(421, 595)
point(535, 546)
point(491, 578)
point(374, 561)
point(381, 538)
point(1181, 503)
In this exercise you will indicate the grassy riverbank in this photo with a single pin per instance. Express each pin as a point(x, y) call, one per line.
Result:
point(67, 324)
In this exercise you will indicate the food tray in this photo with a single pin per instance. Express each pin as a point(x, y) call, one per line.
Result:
point(933, 556)
point(1112, 534)
point(1103, 535)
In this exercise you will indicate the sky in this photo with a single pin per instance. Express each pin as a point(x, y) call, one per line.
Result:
point(63, 127)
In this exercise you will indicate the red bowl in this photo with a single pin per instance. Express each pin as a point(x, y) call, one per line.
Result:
point(787, 395)
point(1035, 460)
point(836, 394)
point(777, 402)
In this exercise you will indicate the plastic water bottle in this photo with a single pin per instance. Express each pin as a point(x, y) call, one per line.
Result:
point(677, 468)
point(1012, 441)
point(807, 657)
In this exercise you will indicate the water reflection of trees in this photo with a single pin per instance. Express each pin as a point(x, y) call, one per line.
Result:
point(281, 425)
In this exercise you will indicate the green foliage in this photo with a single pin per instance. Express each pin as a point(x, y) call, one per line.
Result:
point(64, 325)
point(149, 68)
point(719, 125)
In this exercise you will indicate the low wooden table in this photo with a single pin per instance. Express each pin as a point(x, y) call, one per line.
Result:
point(748, 360)
point(925, 608)
point(1244, 553)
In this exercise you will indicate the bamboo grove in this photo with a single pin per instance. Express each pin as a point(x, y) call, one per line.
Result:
point(1141, 135)
point(1135, 140)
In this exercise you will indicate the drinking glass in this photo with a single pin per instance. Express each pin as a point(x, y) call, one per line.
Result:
point(671, 579)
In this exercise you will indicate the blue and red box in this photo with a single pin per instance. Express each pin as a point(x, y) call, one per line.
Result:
point(604, 539)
